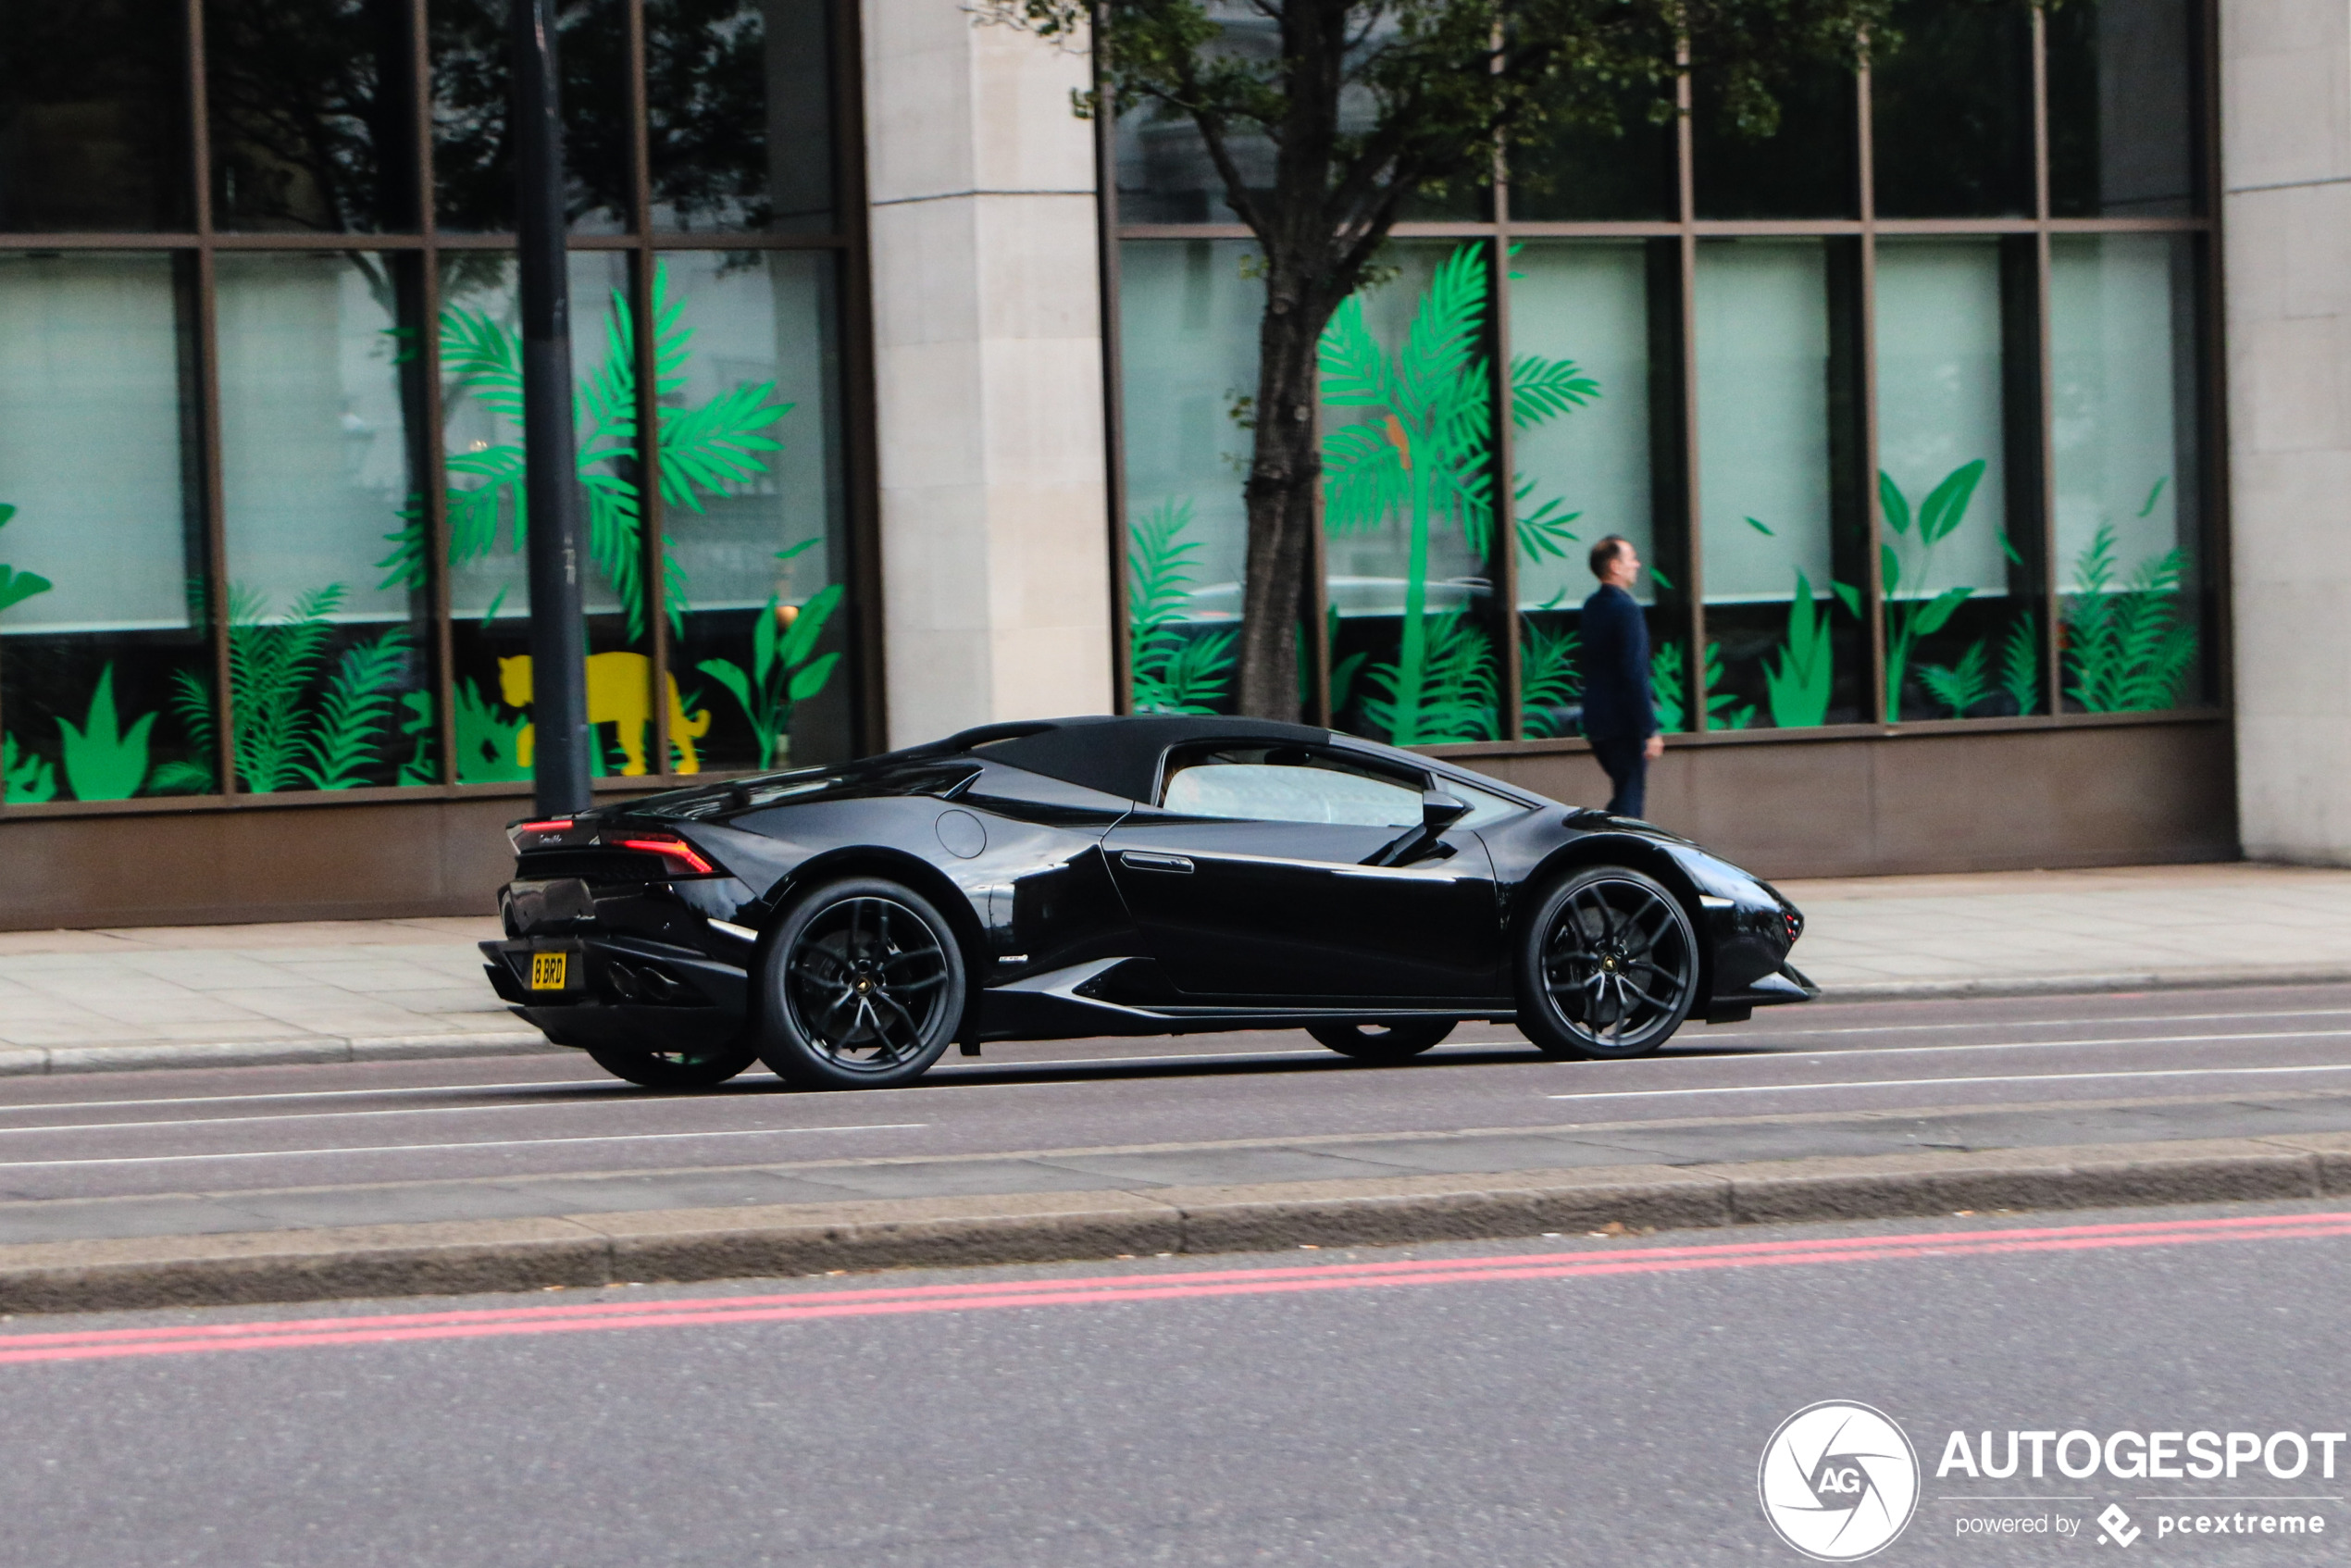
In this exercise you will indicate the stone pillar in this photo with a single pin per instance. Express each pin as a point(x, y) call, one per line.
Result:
point(2285, 95)
point(988, 374)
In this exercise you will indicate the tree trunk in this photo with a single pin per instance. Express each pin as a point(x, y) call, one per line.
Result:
point(1283, 473)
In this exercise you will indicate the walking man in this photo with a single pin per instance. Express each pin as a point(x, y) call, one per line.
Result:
point(1619, 718)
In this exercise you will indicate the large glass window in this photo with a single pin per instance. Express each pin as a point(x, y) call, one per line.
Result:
point(105, 670)
point(94, 118)
point(1188, 313)
point(328, 622)
point(312, 105)
point(1407, 502)
point(473, 156)
point(1963, 629)
point(1951, 112)
point(2123, 108)
point(754, 519)
point(1808, 167)
point(738, 111)
point(1773, 376)
point(1583, 315)
point(2122, 437)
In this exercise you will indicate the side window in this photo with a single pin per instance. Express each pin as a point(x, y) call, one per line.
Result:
point(1285, 784)
point(1485, 806)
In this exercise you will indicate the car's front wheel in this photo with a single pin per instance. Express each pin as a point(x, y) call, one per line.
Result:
point(1395, 1041)
point(862, 986)
point(677, 1069)
point(1607, 966)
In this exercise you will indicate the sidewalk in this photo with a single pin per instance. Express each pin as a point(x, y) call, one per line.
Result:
point(197, 996)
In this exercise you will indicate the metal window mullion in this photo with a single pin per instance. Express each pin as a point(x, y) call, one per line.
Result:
point(2216, 569)
point(433, 482)
point(652, 545)
point(853, 291)
point(1121, 635)
point(1881, 703)
point(2052, 677)
point(1693, 561)
point(212, 499)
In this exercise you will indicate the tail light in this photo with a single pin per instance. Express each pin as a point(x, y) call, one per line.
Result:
point(1795, 926)
point(533, 835)
point(681, 857)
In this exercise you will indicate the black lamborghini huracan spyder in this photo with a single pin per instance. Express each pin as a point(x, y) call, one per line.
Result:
point(1140, 875)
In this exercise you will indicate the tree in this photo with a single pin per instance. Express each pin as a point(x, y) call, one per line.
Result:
point(1362, 104)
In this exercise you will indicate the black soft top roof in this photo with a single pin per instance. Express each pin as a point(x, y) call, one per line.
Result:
point(1117, 755)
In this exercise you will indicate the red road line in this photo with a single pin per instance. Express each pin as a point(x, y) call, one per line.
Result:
point(550, 1319)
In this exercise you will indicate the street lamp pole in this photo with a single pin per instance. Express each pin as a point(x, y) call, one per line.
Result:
point(558, 622)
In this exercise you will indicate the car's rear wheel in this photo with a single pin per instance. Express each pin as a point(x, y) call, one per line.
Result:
point(1607, 966)
point(864, 987)
point(677, 1069)
point(1382, 1042)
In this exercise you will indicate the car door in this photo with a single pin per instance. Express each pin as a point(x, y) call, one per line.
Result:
point(1253, 877)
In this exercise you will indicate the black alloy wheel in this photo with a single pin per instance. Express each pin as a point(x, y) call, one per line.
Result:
point(1608, 967)
point(1396, 1040)
point(863, 986)
point(677, 1069)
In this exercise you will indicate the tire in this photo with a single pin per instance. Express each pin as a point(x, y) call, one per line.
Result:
point(1398, 1041)
point(861, 988)
point(1607, 966)
point(677, 1069)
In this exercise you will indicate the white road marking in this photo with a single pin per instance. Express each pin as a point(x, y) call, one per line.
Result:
point(320, 1094)
point(1919, 1083)
point(2038, 1023)
point(428, 1148)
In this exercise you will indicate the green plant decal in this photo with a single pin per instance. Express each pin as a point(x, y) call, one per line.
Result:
point(1910, 618)
point(782, 672)
point(192, 699)
point(2128, 650)
point(487, 740)
point(703, 450)
point(16, 587)
point(1548, 677)
point(1175, 668)
point(25, 779)
point(1665, 688)
point(284, 742)
point(1723, 709)
point(102, 761)
point(1798, 689)
point(1457, 697)
point(2021, 663)
point(1424, 456)
point(417, 767)
point(1961, 686)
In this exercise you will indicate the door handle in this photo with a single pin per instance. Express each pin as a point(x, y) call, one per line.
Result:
point(1149, 860)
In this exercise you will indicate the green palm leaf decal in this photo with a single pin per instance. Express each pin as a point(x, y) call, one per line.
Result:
point(1543, 389)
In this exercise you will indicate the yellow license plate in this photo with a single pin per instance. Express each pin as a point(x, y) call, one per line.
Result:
point(548, 970)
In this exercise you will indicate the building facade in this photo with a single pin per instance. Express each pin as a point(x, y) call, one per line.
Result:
point(1977, 427)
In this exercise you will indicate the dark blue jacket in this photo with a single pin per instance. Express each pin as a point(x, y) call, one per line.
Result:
point(1616, 667)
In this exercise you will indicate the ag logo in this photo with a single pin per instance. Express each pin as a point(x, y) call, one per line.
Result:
point(1838, 1481)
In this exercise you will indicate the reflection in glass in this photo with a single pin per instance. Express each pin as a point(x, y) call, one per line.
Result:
point(105, 684)
point(1188, 322)
point(1164, 172)
point(739, 110)
point(1575, 176)
point(318, 373)
point(311, 107)
point(1951, 112)
point(1962, 628)
point(1782, 610)
point(1806, 168)
point(1407, 509)
point(2123, 110)
point(1583, 449)
point(756, 525)
point(2123, 434)
point(473, 166)
point(93, 117)
point(489, 591)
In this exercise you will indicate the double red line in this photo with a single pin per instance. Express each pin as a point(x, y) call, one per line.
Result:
point(883, 1301)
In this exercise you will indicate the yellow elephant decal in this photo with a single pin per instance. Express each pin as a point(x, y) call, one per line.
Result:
point(618, 687)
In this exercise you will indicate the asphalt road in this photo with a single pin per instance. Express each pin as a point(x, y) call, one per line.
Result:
point(1594, 1401)
point(166, 1153)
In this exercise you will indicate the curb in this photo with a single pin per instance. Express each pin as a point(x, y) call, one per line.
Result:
point(680, 1244)
point(36, 1060)
point(2215, 977)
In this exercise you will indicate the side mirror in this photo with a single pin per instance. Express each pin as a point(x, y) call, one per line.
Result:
point(1440, 811)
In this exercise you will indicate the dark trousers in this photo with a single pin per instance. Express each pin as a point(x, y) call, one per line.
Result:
point(1626, 758)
